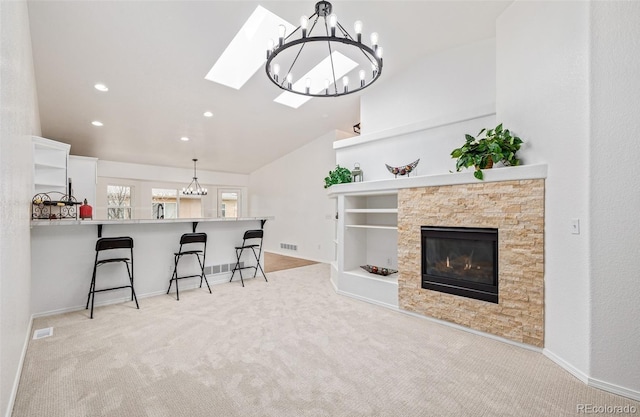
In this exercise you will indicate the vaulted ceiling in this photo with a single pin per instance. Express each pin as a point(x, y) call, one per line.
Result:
point(154, 55)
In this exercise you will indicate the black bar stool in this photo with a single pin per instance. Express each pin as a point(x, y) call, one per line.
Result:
point(252, 239)
point(190, 239)
point(111, 243)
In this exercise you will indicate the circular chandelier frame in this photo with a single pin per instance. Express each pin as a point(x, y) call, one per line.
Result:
point(323, 9)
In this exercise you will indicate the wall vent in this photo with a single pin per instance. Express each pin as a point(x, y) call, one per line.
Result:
point(219, 269)
point(42, 333)
point(288, 246)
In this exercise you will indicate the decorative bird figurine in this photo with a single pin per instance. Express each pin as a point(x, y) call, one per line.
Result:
point(404, 169)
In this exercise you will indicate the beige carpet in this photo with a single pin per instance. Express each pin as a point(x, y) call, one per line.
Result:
point(274, 262)
point(288, 347)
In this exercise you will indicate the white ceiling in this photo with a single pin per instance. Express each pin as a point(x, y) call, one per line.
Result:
point(154, 55)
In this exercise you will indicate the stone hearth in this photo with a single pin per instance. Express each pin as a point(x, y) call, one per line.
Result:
point(516, 209)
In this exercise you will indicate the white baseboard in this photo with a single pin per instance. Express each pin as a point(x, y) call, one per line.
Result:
point(212, 279)
point(368, 300)
point(566, 366)
point(592, 382)
point(614, 389)
point(16, 381)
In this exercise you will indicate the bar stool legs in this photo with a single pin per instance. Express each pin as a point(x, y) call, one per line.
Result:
point(253, 236)
point(187, 239)
point(110, 243)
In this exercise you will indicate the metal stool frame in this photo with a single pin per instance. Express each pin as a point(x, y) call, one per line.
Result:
point(187, 239)
point(110, 243)
point(249, 235)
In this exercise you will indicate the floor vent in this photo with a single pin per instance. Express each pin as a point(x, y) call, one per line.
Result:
point(288, 246)
point(42, 333)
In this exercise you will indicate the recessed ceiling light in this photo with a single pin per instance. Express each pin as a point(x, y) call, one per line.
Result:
point(184, 139)
point(101, 87)
point(208, 114)
point(97, 123)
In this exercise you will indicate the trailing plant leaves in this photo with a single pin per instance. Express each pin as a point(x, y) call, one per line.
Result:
point(340, 175)
point(498, 144)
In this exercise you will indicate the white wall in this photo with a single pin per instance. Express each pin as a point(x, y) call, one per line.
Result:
point(431, 144)
point(543, 94)
point(424, 112)
point(291, 189)
point(615, 195)
point(19, 120)
point(145, 177)
point(449, 82)
point(567, 76)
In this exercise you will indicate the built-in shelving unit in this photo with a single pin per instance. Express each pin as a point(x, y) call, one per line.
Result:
point(367, 234)
point(50, 160)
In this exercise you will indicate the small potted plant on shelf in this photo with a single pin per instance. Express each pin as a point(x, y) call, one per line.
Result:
point(497, 145)
point(337, 176)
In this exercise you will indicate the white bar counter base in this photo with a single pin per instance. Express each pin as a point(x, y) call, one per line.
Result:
point(368, 222)
point(63, 252)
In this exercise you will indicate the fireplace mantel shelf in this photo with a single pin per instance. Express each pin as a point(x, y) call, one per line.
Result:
point(525, 172)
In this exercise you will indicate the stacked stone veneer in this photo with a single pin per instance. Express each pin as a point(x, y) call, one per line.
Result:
point(516, 209)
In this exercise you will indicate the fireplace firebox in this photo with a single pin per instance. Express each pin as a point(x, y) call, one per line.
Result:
point(461, 261)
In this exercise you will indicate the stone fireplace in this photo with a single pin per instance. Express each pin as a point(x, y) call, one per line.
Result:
point(516, 210)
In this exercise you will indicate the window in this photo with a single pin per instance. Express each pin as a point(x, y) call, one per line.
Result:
point(164, 204)
point(229, 203)
point(118, 202)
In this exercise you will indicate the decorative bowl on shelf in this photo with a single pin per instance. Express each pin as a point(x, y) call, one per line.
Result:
point(378, 270)
point(404, 169)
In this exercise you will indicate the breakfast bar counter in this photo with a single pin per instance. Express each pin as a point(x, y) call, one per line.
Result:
point(63, 252)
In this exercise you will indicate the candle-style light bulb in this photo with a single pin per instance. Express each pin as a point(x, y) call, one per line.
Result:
point(333, 21)
point(289, 80)
point(362, 75)
point(379, 52)
point(326, 86)
point(357, 28)
point(345, 82)
point(269, 47)
point(304, 23)
point(276, 71)
point(281, 32)
point(374, 40)
point(307, 85)
point(374, 70)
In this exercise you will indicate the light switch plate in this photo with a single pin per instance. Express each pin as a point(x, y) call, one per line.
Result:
point(575, 226)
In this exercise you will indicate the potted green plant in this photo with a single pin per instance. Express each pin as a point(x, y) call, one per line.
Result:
point(337, 176)
point(497, 145)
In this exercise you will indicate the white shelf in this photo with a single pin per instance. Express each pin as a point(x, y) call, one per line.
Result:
point(50, 159)
point(50, 165)
point(361, 273)
point(373, 211)
point(372, 226)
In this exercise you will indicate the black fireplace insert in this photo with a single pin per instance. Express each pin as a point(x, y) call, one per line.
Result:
point(461, 261)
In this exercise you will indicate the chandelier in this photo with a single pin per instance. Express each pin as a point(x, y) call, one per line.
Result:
point(337, 52)
point(194, 187)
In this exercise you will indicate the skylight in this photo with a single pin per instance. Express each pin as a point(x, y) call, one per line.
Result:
point(246, 53)
point(318, 75)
